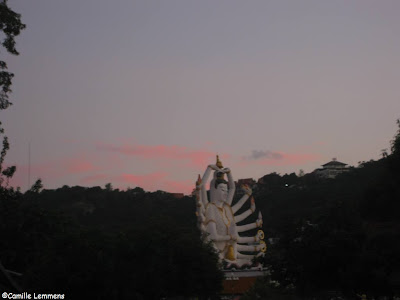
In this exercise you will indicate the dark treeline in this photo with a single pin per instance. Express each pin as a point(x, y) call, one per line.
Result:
point(105, 244)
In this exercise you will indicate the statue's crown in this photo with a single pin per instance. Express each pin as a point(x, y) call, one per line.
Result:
point(220, 175)
point(219, 163)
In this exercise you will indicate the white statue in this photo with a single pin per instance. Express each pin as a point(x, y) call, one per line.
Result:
point(218, 220)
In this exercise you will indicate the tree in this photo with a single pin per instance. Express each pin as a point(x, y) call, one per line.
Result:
point(8, 172)
point(109, 187)
point(395, 147)
point(395, 143)
point(37, 186)
point(10, 26)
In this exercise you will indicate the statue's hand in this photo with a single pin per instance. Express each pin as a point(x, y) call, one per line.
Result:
point(201, 218)
point(260, 235)
point(252, 205)
point(226, 170)
point(247, 189)
point(260, 254)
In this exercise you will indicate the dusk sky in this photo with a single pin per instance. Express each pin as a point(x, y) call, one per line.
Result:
point(146, 93)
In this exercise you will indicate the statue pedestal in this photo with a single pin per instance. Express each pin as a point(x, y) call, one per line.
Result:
point(237, 282)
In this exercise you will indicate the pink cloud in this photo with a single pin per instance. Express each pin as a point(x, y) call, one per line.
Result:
point(52, 169)
point(197, 158)
point(21, 176)
point(78, 166)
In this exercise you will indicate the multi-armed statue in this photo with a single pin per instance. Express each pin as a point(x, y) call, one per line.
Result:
point(217, 219)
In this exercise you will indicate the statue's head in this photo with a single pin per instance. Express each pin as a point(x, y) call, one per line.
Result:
point(219, 188)
point(221, 192)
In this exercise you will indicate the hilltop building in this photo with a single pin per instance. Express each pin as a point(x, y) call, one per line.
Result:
point(331, 169)
point(249, 181)
point(246, 181)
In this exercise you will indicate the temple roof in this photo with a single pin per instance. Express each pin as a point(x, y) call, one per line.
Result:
point(334, 163)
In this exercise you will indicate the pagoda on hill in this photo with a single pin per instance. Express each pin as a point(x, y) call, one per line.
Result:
point(331, 169)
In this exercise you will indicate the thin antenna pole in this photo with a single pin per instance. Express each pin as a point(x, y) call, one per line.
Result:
point(29, 165)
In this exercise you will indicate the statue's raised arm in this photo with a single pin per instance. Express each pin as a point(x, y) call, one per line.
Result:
point(231, 185)
point(202, 182)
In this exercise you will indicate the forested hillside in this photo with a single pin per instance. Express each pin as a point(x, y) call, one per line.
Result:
point(334, 236)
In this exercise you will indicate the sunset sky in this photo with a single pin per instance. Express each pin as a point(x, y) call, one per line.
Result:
point(146, 93)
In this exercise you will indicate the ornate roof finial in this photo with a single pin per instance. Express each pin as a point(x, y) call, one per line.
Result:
point(219, 163)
